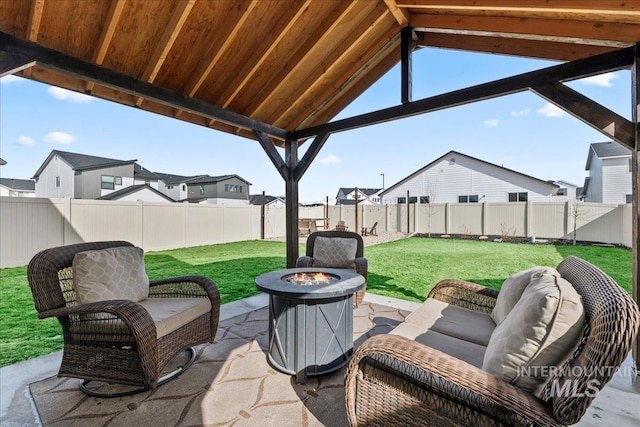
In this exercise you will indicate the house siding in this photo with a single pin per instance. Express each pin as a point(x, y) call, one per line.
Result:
point(217, 190)
point(594, 192)
point(89, 181)
point(616, 180)
point(46, 183)
point(458, 175)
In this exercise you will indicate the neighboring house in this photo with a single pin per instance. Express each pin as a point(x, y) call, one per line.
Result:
point(12, 187)
point(138, 192)
point(174, 186)
point(367, 196)
point(458, 178)
point(224, 189)
point(566, 191)
point(271, 201)
point(2, 162)
point(81, 176)
point(609, 181)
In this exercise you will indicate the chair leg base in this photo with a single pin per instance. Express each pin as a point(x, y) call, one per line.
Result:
point(136, 389)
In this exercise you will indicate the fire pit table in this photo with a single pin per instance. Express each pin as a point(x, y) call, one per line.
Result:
point(310, 318)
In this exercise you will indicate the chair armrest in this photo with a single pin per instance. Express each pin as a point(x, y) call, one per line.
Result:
point(394, 380)
point(465, 294)
point(362, 266)
point(133, 315)
point(304, 261)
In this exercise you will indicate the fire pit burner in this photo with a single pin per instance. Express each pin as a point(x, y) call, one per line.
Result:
point(311, 278)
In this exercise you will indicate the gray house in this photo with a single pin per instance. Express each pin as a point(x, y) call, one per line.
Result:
point(609, 180)
point(224, 189)
point(12, 187)
point(367, 196)
point(81, 176)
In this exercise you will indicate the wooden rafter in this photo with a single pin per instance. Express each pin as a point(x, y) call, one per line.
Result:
point(35, 17)
point(401, 15)
point(108, 30)
point(178, 18)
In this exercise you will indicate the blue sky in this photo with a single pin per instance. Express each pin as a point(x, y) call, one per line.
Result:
point(521, 132)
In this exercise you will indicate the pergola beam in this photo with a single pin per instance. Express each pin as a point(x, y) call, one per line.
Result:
point(581, 68)
point(590, 112)
point(292, 196)
point(65, 64)
point(11, 64)
point(311, 154)
point(635, 185)
point(273, 154)
point(406, 50)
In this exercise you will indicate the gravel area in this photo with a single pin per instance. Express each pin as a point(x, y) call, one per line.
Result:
point(368, 240)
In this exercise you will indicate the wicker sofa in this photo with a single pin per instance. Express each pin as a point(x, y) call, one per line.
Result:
point(429, 369)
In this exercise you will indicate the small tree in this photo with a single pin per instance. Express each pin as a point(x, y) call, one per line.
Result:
point(576, 211)
point(431, 191)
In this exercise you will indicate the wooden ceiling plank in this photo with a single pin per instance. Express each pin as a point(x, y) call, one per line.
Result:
point(590, 112)
point(316, 91)
point(108, 30)
point(264, 102)
point(77, 68)
point(235, 90)
point(559, 51)
point(178, 18)
point(202, 74)
point(401, 15)
point(628, 6)
point(35, 17)
point(616, 60)
point(629, 33)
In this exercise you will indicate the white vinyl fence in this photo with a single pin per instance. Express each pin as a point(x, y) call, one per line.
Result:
point(28, 225)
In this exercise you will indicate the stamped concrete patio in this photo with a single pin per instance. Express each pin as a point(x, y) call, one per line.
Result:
point(231, 383)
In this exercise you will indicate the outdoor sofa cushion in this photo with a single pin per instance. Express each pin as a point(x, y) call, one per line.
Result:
point(512, 289)
point(469, 325)
point(109, 274)
point(334, 252)
point(541, 332)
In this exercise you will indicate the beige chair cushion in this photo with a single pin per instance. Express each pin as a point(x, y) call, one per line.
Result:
point(541, 332)
point(512, 290)
point(334, 252)
point(457, 322)
point(108, 274)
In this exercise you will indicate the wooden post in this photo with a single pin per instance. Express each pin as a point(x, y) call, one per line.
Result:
point(291, 160)
point(262, 206)
point(635, 183)
point(326, 213)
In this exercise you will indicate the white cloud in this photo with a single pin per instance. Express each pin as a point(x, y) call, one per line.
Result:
point(550, 110)
point(521, 113)
point(25, 140)
point(10, 78)
point(604, 80)
point(330, 159)
point(59, 138)
point(67, 95)
point(491, 123)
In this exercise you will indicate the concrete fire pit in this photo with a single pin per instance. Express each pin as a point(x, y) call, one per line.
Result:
point(310, 318)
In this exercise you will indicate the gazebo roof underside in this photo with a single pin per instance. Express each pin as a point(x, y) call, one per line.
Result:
point(289, 65)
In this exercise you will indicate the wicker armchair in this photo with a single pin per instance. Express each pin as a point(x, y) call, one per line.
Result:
point(395, 381)
point(116, 341)
point(361, 265)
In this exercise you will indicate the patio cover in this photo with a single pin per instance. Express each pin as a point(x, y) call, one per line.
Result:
point(279, 71)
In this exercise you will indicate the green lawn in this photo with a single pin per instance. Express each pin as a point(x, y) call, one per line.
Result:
point(405, 269)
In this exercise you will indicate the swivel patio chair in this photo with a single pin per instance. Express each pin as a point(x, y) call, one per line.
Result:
point(336, 249)
point(130, 339)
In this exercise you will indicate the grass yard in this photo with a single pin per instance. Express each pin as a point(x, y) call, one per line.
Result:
point(405, 269)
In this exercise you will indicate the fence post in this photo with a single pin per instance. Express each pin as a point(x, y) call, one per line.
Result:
point(67, 227)
point(140, 224)
point(264, 199)
point(527, 219)
point(566, 219)
point(447, 218)
point(483, 219)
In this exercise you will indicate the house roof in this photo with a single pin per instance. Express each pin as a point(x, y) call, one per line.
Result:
point(207, 179)
point(18, 184)
point(256, 199)
point(140, 172)
point(285, 64)
point(419, 171)
point(367, 191)
point(606, 150)
point(115, 195)
point(171, 179)
point(80, 162)
point(2, 162)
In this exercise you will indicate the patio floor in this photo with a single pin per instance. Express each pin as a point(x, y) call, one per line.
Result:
point(231, 383)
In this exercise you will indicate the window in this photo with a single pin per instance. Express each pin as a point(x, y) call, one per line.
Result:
point(628, 198)
point(425, 199)
point(518, 197)
point(404, 200)
point(169, 187)
point(561, 192)
point(118, 180)
point(57, 181)
point(201, 189)
point(107, 182)
point(233, 188)
point(401, 200)
point(471, 198)
point(184, 187)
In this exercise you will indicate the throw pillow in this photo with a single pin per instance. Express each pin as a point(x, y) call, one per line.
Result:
point(512, 290)
point(112, 273)
point(334, 252)
point(540, 333)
